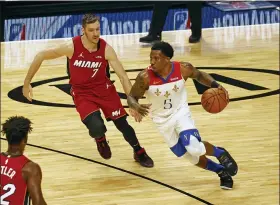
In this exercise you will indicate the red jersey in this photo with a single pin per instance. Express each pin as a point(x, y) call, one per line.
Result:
point(87, 70)
point(13, 186)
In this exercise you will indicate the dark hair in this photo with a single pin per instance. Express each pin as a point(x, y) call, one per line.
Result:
point(164, 47)
point(16, 129)
point(89, 18)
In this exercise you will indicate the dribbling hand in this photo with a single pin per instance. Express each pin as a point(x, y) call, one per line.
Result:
point(27, 92)
point(225, 91)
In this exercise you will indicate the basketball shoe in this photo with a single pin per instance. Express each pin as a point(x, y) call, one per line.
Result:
point(103, 148)
point(143, 159)
point(226, 181)
point(228, 162)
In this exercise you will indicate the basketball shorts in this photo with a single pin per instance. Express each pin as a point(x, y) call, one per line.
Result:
point(171, 128)
point(88, 101)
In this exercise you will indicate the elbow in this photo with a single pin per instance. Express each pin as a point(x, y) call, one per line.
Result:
point(40, 56)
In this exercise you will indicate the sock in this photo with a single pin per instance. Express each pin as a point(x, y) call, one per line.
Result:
point(100, 139)
point(213, 166)
point(218, 152)
point(136, 147)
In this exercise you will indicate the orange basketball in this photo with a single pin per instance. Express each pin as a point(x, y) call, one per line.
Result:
point(214, 100)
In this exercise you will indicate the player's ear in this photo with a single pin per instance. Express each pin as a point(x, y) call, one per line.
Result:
point(83, 30)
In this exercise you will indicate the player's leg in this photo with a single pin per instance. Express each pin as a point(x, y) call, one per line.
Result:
point(91, 117)
point(203, 162)
point(97, 130)
point(191, 139)
point(113, 110)
point(129, 135)
point(223, 156)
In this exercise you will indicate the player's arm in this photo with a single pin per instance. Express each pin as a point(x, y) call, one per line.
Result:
point(33, 175)
point(115, 63)
point(137, 91)
point(65, 49)
point(189, 71)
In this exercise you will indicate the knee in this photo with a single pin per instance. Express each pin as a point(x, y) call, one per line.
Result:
point(95, 125)
point(192, 142)
point(192, 159)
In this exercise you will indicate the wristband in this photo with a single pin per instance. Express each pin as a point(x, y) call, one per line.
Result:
point(214, 84)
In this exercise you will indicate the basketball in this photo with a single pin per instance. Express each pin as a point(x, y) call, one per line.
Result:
point(214, 100)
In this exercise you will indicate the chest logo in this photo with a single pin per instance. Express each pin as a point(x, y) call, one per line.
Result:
point(87, 64)
point(166, 94)
point(176, 88)
point(157, 92)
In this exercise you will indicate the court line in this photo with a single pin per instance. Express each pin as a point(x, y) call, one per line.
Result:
point(122, 170)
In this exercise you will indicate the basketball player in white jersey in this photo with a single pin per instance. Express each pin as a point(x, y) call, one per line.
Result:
point(163, 83)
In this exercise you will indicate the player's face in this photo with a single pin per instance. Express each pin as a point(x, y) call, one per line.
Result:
point(158, 61)
point(92, 32)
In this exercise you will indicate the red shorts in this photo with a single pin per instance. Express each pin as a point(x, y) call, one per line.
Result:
point(88, 101)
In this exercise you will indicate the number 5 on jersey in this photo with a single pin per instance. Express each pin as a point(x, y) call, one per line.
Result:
point(167, 104)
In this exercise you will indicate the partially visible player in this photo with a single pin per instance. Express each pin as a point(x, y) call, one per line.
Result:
point(88, 58)
point(163, 83)
point(20, 177)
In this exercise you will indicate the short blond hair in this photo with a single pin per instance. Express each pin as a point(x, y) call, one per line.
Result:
point(89, 18)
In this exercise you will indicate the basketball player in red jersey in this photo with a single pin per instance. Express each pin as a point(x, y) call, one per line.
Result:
point(88, 56)
point(20, 177)
point(163, 84)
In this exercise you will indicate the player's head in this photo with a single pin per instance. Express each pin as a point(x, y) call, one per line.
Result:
point(16, 129)
point(161, 53)
point(91, 27)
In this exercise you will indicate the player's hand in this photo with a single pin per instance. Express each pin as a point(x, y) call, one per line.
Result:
point(136, 115)
point(143, 109)
point(27, 92)
point(225, 91)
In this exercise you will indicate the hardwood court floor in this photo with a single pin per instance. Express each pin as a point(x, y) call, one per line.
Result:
point(73, 172)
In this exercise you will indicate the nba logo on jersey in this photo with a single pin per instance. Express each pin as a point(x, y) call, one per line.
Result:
point(180, 20)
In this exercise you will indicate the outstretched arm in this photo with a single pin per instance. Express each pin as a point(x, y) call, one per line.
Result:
point(111, 56)
point(65, 49)
point(138, 90)
point(33, 174)
point(188, 71)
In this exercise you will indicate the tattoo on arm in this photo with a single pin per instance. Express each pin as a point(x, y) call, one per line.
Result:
point(188, 71)
point(140, 86)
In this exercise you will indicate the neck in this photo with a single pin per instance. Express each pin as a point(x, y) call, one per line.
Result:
point(166, 71)
point(87, 44)
point(14, 150)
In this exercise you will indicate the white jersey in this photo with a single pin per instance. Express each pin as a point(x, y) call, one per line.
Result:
point(168, 95)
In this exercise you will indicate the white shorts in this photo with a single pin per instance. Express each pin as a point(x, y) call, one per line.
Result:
point(171, 127)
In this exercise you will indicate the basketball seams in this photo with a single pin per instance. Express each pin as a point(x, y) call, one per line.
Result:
point(221, 96)
point(212, 103)
point(219, 103)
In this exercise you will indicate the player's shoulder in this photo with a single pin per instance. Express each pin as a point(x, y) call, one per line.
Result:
point(68, 43)
point(184, 64)
point(31, 166)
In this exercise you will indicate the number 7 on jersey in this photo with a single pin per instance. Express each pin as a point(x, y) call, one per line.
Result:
point(94, 72)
